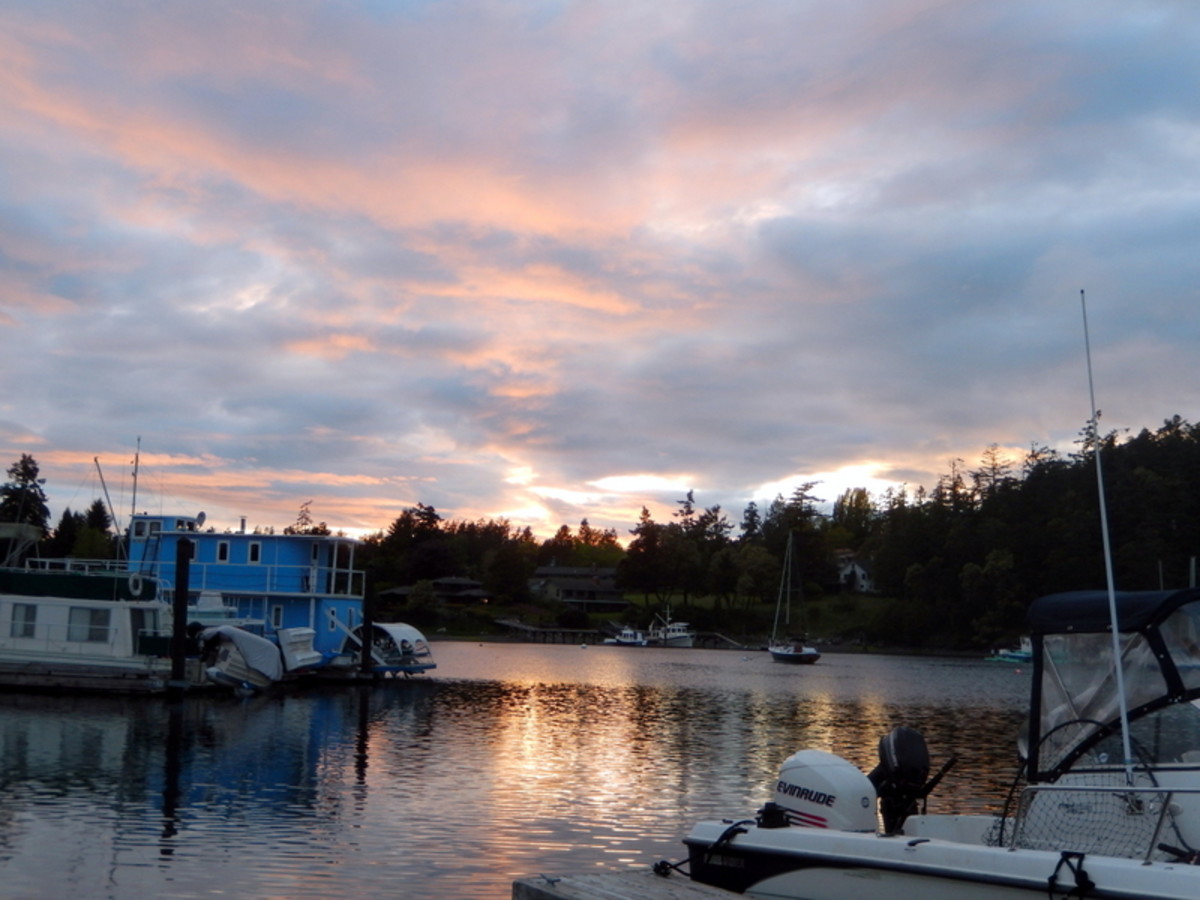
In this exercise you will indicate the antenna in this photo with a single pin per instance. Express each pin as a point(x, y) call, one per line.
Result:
point(1108, 566)
point(136, 455)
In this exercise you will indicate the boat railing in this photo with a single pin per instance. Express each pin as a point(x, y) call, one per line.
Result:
point(246, 578)
point(80, 566)
point(1112, 820)
point(269, 578)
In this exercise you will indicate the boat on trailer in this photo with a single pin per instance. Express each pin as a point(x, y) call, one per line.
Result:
point(1086, 820)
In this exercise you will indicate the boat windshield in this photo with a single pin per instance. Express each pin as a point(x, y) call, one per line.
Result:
point(1079, 695)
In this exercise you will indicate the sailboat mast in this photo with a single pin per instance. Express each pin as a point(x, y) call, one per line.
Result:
point(785, 589)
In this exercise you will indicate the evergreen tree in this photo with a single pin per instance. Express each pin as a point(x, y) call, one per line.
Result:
point(21, 497)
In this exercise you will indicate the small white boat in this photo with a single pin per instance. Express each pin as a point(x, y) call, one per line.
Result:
point(665, 633)
point(1106, 811)
point(1021, 654)
point(236, 658)
point(628, 637)
point(397, 648)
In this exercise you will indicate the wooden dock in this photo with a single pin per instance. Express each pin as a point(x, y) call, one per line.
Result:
point(631, 885)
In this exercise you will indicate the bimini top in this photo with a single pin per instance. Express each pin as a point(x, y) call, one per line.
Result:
point(1087, 612)
point(1075, 704)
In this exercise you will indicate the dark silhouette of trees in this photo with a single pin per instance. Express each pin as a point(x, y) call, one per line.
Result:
point(21, 497)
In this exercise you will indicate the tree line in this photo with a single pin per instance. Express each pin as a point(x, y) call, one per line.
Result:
point(956, 564)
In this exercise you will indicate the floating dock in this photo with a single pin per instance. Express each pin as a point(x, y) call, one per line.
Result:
point(632, 885)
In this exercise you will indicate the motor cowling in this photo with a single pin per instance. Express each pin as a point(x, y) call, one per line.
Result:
point(821, 790)
point(901, 778)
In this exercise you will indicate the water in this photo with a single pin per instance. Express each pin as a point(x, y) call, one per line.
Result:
point(517, 759)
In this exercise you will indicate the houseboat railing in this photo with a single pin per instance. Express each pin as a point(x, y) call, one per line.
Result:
point(239, 578)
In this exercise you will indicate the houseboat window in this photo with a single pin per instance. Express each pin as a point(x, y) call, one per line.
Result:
point(89, 625)
point(223, 551)
point(155, 527)
point(24, 620)
point(144, 621)
point(255, 553)
point(277, 616)
point(316, 550)
point(139, 528)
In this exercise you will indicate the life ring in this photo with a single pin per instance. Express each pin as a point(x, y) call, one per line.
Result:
point(135, 585)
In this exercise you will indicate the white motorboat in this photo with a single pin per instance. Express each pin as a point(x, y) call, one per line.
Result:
point(1019, 654)
point(236, 658)
point(628, 637)
point(665, 633)
point(397, 648)
point(1107, 810)
point(785, 648)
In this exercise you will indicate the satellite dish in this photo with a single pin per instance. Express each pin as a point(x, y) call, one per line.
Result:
point(200, 517)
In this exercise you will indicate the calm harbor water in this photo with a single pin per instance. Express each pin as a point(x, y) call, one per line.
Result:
point(516, 759)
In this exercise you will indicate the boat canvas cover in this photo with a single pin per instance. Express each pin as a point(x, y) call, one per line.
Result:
point(399, 632)
point(1076, 701)
point(259, 653)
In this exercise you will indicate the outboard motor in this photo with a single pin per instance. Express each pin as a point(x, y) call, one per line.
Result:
point(820, 790)
point(901, 778)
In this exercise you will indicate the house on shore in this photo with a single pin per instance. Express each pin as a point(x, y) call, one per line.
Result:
point(592, 589)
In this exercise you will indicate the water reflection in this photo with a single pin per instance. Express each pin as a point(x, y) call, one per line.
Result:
point(533, 759)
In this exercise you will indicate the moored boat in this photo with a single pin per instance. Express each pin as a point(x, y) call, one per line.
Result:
point(783, 647)
point(1023, 653)
point(628, 637)
point(85, 629)
point(1091, 820)
point(298, 592)
point(666, 633)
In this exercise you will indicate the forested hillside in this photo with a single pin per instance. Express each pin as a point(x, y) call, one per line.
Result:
point(956, 564)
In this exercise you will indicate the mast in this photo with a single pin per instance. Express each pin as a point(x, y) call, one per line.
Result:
point(1108, 565)
point(112, 512)
point(785, 590)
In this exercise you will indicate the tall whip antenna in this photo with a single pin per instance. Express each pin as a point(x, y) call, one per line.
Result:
point(1108, 565)
point(136, 456)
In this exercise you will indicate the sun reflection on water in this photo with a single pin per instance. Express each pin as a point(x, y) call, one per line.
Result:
point(529, 759)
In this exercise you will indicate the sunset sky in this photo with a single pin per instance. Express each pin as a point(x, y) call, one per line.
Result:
point(551, 261)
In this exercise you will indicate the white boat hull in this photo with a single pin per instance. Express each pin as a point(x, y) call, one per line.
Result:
point(816, 864)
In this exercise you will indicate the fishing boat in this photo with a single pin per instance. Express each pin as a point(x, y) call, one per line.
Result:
point(1090, 818)
point(783, 647)
point(666, 633)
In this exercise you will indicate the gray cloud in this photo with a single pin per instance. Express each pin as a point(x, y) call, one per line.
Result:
point(488, 257)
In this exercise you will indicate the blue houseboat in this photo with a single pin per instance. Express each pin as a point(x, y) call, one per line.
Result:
point(300, 592)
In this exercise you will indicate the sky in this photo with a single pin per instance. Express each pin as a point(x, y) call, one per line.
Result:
point(555, 261)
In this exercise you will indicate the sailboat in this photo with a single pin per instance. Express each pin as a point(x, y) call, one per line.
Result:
point(783, 648)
